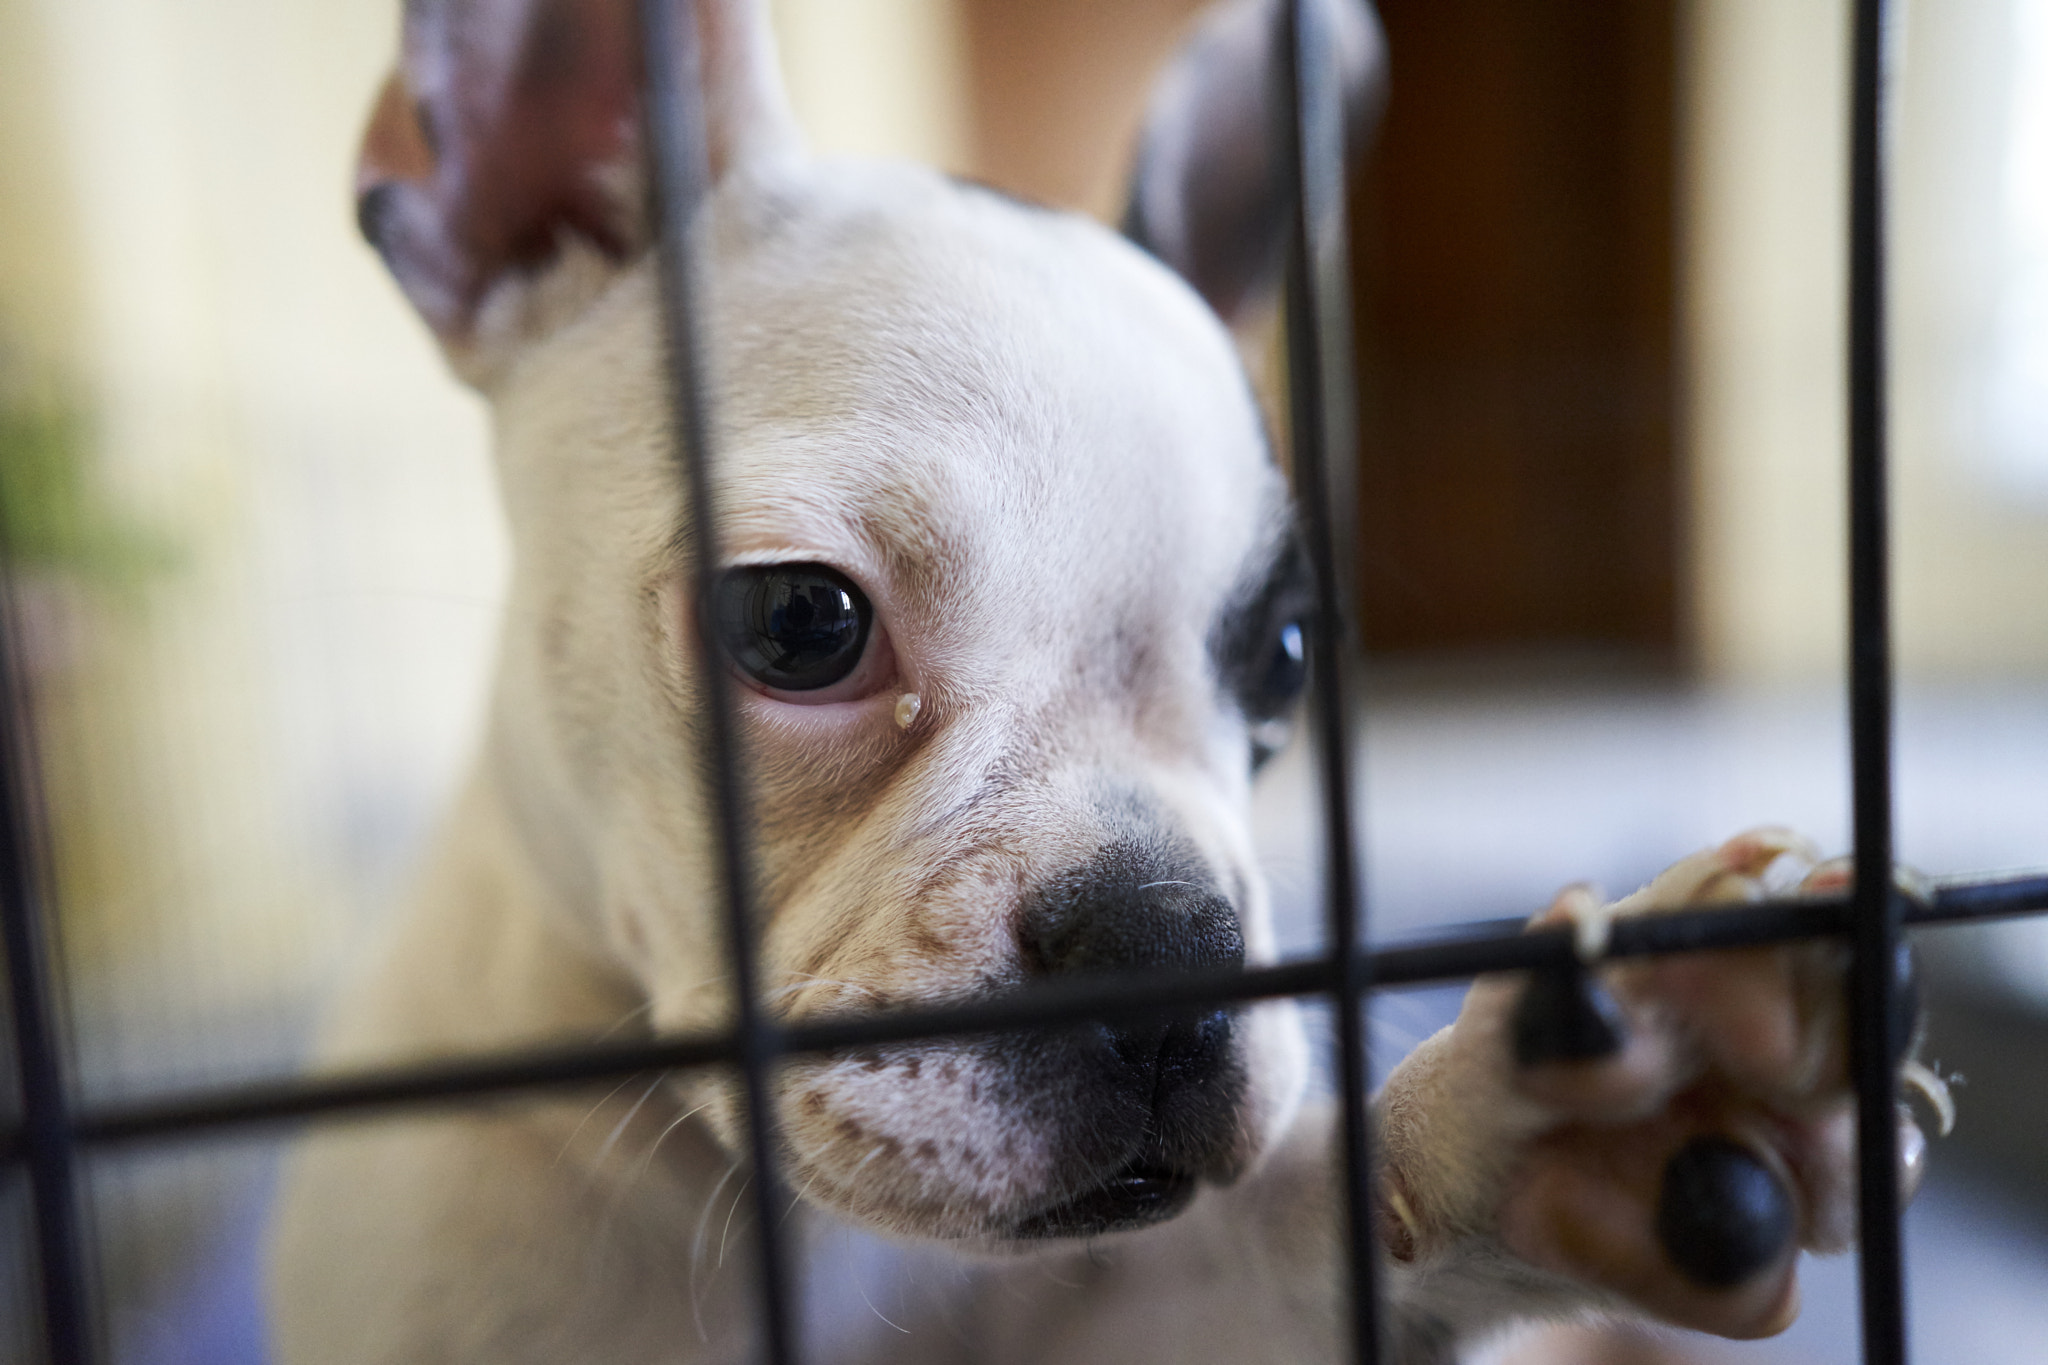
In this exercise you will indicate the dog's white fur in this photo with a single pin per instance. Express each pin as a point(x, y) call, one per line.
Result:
point(1035, 449)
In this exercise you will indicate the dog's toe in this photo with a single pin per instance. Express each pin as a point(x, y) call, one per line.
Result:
point(1693, 1215)
point(1769, 1020)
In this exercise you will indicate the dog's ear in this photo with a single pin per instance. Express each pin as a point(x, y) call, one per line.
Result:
point(1207, 194)
point(509, 135)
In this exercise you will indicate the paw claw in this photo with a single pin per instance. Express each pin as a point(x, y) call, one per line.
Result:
point(1588, 912)
point(1737, 870)
point(1752, 853)
point(1836, 874)
point(1926, 1082)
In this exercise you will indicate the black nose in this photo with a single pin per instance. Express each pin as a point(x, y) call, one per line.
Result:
point(1129, 910)
point(1123, 912)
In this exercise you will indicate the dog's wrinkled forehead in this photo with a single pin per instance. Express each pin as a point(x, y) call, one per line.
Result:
point(970, 396)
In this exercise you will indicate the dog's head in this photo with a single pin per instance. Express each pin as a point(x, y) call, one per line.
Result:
point(1014, 602)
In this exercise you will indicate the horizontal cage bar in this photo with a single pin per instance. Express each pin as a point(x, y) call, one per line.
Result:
point(1490, 946)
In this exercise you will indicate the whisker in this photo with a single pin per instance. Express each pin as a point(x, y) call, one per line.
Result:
point(627, 1018)
point(697, 1251)
point(619, 1128)
point(862, 1290)
point(589, 1114)
point(799, 1197)
point(655, 1146)
point(620, 1188)
point(810, 980)
point(1045, 1269)
point(737, 1196)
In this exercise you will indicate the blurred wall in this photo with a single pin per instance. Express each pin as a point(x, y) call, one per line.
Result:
point(1765, 218)
point(1973, 534)
point(1763, 225)
point(1059, 88)
point(39, 308)
point(241, 745)
point(245, 751)
point(879, 77)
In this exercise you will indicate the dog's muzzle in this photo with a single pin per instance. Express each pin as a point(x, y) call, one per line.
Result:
point(1159, 1102)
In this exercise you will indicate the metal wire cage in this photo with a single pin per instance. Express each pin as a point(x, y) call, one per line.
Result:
point(47, 1134)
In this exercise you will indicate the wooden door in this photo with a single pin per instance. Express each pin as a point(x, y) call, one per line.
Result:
point(1518, 476)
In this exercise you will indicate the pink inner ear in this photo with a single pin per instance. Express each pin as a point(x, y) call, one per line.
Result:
point(394, 145)
point(492, 141)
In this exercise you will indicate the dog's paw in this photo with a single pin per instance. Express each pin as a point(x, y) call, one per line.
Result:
point(1667, 1132)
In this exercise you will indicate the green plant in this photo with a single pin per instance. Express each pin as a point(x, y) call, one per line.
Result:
point(51, 519)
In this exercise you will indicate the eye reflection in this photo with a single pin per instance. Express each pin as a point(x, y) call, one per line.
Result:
point(1287, 673)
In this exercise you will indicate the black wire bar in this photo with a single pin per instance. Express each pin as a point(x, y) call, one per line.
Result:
point(1878, 907)
point(44, 1142)
point(1311, 136)
point(1454, 955)
point(48, 1136)
point(678, 175)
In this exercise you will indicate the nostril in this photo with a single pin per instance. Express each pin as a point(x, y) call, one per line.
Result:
point(1190, 1046)
point(1139, 1047)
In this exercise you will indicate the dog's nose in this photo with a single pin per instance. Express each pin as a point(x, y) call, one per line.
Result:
point(1123, 912)
point(1112, 917)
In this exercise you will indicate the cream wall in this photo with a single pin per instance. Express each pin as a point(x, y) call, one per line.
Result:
point(879, 77)
point(1973, 541)
point(1763, 277)
point(1765, 216)
point(240, 756)
point(38, 299)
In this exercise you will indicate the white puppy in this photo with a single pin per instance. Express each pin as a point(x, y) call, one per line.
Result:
point(1015, 609)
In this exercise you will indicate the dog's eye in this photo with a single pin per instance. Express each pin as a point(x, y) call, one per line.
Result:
point(1287, 667)
point(1269, 702)
point(793, 627)
point(1260, 647)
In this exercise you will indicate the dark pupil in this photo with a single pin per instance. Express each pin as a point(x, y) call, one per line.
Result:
point(1287, 673)
point(794, 627)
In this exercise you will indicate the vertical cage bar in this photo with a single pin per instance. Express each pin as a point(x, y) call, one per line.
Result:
point(678, 180)
point(1311, 129)
point(1876, 906)
point(46, 1144)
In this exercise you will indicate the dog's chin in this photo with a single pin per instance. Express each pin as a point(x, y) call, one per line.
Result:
point(998, 1144)
point(1136, 1195)
point(1138, 1192)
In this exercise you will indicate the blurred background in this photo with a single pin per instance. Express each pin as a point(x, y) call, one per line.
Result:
point(1598, 250)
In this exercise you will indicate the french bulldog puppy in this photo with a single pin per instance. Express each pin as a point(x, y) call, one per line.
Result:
point(1014, 608)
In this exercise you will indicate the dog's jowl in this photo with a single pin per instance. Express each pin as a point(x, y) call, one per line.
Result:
point(1013, 609)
